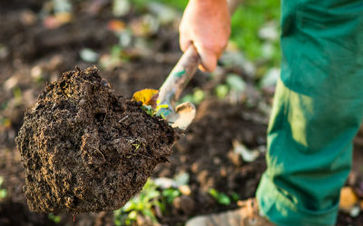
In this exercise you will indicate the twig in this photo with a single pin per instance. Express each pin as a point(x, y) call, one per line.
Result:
point(123, 119)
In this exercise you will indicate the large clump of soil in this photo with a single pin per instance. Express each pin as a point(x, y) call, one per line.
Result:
point(84, 148)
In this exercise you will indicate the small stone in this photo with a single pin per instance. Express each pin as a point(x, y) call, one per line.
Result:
point(185, 189)
point(36, 72)
point(82, 102)
point(354, 212)
point(216, 160)
point(223, 172)
point(194, 167)
point(184, 203)
point(235, 158)
point(269, 31)
point(11, 83)
point(164, 182)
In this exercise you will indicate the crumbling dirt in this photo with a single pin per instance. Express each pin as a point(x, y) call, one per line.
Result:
point(85, 149)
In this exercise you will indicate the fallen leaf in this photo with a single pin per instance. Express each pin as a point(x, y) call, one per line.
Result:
point(247, 155)
point(116, 25)
point(348, 199)
point(63, 17)
point(11, 83)
point(52, 22)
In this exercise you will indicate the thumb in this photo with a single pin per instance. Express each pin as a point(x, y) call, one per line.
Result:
point(208, 59)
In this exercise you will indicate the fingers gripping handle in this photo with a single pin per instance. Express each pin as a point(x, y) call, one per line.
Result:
point(179, 77)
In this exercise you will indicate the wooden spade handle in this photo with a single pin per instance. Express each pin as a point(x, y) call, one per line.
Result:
point(179, 77)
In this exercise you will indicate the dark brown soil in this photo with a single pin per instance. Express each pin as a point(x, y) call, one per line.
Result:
point(85, 149)
point(15, 213)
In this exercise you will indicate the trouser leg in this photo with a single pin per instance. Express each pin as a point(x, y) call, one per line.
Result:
point(317, 111)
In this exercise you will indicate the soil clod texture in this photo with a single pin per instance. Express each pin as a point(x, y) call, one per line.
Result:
point(87, 149)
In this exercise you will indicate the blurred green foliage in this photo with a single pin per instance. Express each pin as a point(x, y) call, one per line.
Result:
point(55, 218)
point(151, 200)
point(196, 97)
point(246, 22)
point(142, 204)
point(178, 4)
point(220, 197)
point(170, 194)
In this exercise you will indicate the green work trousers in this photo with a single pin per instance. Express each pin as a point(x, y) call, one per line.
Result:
point(318, 109)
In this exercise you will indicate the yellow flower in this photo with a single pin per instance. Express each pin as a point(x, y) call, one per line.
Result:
point(146, 96)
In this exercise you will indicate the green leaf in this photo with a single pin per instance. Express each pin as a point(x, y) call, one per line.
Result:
point(235, 196)
point(170, 194)
point(187, 98)
point(149, 213)
point(213, 192)
point(132, 215)
point(198, 96)
point(3, 193)
point(142, 204)
point(116, 51)
point(220, 197)
point(137, 146)
point(56, 219)
point(224, 199)
point(221, 91)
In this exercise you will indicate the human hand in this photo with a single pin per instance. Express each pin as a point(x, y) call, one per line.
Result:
point(206, 25)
